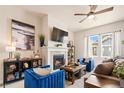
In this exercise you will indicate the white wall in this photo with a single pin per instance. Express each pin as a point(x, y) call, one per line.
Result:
point(45, 28)
point(79, 37)
point(13, 12)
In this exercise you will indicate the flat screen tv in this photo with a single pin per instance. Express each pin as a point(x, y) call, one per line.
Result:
point(58, 34)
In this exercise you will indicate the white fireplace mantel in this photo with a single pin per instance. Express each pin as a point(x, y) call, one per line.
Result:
point(49, 52)
point(57, 49)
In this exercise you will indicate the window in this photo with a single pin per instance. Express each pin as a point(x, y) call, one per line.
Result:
point(93, 45)
point(106, 45)
point(101, 45)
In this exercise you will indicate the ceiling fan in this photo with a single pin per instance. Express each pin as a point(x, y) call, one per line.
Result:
point(93, 12)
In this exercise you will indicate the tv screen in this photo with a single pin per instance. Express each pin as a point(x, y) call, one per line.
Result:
point(58, 35)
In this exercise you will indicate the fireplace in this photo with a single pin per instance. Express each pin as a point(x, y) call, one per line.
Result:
point(58, 61)
point(53, 54)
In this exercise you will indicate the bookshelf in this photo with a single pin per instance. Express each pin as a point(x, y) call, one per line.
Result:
point(14, 69)
point(71, 53)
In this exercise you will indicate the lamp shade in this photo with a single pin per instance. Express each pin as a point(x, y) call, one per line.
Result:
point(91, 16)
point(10, 48)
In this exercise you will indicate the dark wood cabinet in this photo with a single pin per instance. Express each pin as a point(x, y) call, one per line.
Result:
point(14, 69)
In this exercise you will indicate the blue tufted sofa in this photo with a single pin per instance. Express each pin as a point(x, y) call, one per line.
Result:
point(53, 80)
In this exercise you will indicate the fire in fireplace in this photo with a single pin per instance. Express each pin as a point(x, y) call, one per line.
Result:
point(58, 61)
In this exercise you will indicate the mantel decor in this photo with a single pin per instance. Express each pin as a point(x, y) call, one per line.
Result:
point(58, 45)
point(23, 35)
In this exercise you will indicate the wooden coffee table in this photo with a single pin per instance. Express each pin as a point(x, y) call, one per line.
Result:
point(100, 82)
point(71, 71)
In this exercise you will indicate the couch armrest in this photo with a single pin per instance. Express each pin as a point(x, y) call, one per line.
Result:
point(106, 76)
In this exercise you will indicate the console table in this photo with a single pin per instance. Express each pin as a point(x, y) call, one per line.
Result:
point(73, 70)
point(14, 69)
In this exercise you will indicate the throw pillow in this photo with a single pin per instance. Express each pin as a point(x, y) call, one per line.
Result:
point(119, 63)
point(42, 71)
point(105, 68)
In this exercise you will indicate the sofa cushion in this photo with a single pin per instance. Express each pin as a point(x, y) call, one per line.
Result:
point(105, 68)
point(107, 60)
point(42, 71)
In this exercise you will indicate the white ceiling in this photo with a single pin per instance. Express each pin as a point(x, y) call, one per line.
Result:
point(65, 14)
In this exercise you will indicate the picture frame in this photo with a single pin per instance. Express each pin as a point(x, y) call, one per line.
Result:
point(23, 35)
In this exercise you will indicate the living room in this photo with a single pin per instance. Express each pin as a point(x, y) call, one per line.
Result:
point(38, 36)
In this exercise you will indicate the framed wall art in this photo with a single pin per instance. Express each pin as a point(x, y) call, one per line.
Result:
point(23, 35)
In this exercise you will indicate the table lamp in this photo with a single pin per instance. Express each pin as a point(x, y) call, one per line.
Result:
point(10, 49)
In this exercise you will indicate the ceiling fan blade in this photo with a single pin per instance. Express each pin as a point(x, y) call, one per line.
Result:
point(79, 14)
point(93, 8)
point(104, 10)
point(83, 19)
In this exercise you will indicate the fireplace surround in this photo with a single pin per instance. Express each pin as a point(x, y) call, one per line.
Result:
point(50, 52)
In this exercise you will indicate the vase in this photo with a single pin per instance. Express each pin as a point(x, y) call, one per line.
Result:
point(41, 43)
point(122, 83)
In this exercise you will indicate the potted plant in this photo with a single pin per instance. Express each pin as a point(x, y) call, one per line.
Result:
point(41, 38)
point(17, 55)
point(119, 72)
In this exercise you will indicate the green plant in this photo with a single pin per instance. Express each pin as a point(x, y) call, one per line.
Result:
point(122, 41)
point(41, 38)
point(119, 70)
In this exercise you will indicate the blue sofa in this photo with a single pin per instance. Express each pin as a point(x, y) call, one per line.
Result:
point(53, 80)
point(89, 64)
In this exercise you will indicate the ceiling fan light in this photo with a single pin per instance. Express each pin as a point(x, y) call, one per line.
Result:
point(91, 16)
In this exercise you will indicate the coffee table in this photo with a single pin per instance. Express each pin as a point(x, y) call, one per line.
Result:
point(73, 70)
point(100, 82)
